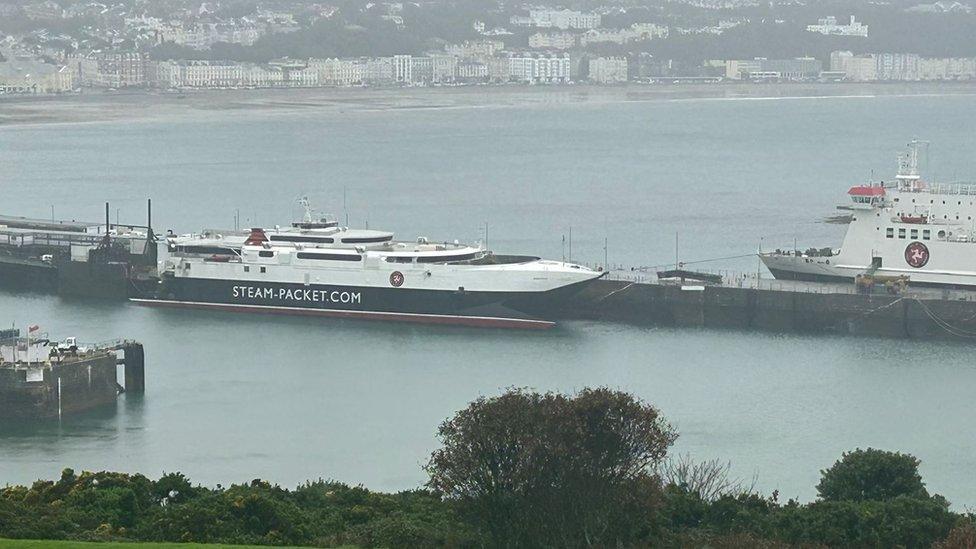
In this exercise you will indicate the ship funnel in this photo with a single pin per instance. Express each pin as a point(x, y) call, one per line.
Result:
point(256, 238)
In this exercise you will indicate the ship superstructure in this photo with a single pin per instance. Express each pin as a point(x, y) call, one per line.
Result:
point(906, 227)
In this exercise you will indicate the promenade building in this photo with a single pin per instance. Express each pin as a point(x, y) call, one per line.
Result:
point(801, 68)
point(402, 69)
point(339, 72)
point(858, 68)
point(608, 70)
point(379, 71)
point(901, 67)
point(539, 68)
point(897, 66)
point(443, 68)
point(472, 71)
point(119, 69)
point(31, 76)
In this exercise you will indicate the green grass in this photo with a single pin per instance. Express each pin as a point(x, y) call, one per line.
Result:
point(43, 544)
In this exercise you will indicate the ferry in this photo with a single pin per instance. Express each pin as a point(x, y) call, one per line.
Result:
point(316, 267)
point(906, 227)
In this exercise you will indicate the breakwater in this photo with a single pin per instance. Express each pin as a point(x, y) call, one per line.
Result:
point(799, 307)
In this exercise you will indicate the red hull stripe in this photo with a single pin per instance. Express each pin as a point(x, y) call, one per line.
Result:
point(457, 320)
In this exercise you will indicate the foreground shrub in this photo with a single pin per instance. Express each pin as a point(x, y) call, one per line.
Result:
point(533, 469)
point(872, 475)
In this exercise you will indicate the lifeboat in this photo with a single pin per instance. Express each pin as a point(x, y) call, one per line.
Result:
point(915, 219)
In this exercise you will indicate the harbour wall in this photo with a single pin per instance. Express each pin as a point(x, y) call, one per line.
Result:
point(40, 390)
point(779, 310)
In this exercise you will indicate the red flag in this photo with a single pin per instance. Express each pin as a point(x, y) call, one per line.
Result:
point(33, 328)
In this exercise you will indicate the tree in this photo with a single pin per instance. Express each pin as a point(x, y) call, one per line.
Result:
point(872, 475)
point(535, 469)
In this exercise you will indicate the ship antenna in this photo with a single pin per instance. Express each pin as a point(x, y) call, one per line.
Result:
point(304, 203)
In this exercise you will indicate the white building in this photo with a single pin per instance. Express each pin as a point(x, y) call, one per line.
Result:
point(829, 26)
point(559, 19)
point(857, 68)
point(472, 71)
point(552, 40)
point(608, 70)
point(210, 74)
point(538, 68)
point(402, 69)
point(477, 49)
point(897, 66)
point(637, 32)
point(443, 68)
point(379, 71)
point(339, 72)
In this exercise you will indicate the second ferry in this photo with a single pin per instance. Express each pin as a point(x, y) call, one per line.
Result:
point(316, 267)
point(908, 227)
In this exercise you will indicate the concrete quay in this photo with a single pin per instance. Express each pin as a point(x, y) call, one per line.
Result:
point(747, 302)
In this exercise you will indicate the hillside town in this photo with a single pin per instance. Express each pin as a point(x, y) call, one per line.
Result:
point(56, 47)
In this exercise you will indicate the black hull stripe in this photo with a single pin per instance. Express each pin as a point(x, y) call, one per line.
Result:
point(458, 320)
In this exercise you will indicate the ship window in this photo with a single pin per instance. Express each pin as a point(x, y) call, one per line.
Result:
point(265, 253)
point(926, 234)
point(445, 258)
point(247, 269)
point(330, 257)
point(890, 232)
point(399, 259)
point(366, 240)
point(914, 234)
point(901, 233)
point(300, 238)
point(264, 269)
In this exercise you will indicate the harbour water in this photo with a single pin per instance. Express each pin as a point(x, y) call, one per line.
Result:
point(234, 397)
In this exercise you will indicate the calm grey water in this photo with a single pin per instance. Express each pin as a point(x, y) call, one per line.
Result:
point(234, 397)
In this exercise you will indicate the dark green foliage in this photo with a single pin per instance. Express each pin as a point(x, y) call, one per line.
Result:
point(114, 506)
point(534, 469)
point(872, 475)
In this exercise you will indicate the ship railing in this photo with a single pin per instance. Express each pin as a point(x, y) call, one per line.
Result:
point(965, 189)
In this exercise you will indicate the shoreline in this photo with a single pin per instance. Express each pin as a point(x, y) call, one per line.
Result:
point(103, 106)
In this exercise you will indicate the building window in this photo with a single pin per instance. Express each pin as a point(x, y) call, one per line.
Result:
point(914, 234)
point(926, 234)
point(901, 233)
point(890, 233)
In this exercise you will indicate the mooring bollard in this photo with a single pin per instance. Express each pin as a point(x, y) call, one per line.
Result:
point(135, 368)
